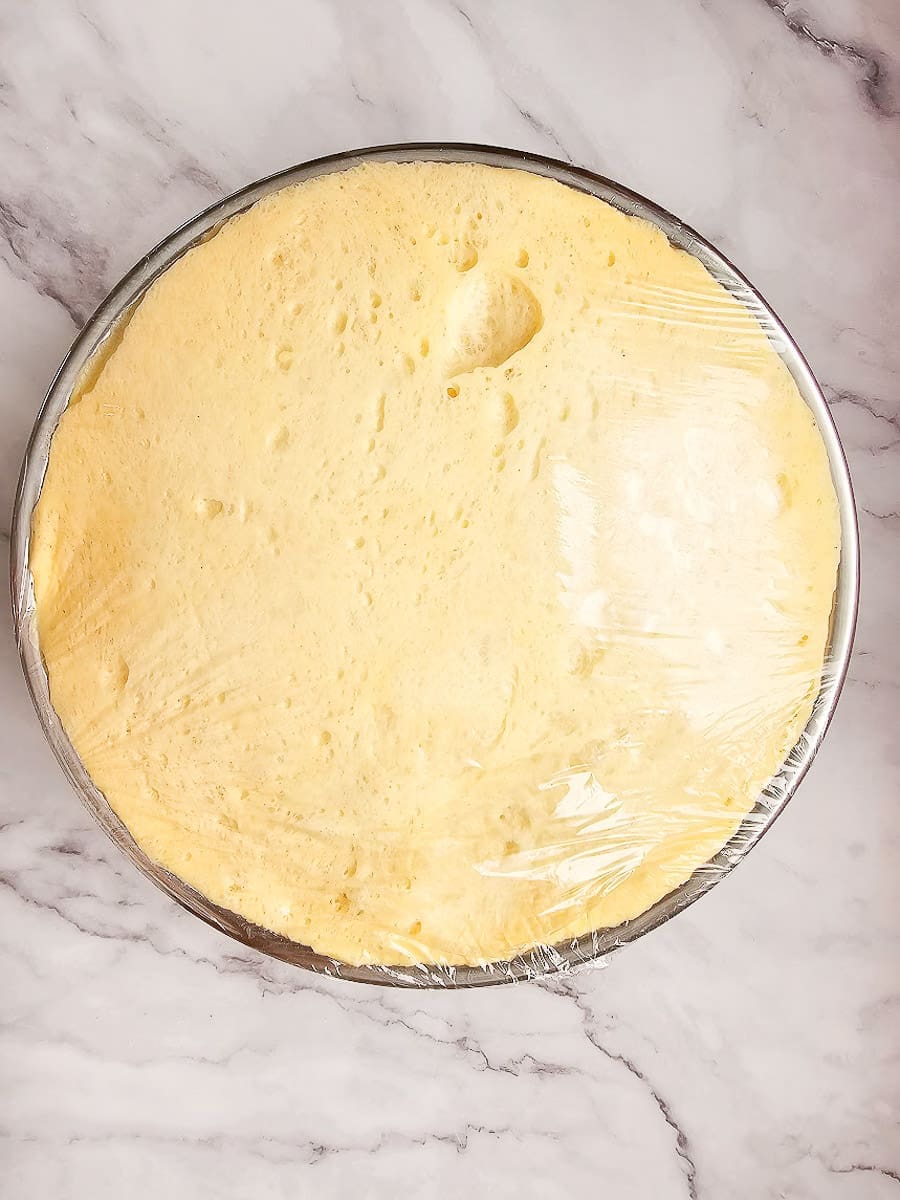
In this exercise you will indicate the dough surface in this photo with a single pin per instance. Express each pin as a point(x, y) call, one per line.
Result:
point(439, 565)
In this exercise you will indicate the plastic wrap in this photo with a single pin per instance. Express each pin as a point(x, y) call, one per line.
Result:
point(443, 576)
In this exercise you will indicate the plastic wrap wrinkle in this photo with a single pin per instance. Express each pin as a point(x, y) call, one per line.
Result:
point(488, 604)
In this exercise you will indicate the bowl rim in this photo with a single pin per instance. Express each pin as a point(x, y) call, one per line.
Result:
point(98, 335)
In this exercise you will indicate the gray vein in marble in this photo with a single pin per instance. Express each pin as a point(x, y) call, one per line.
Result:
point(87, 259)
point(138, 118)
point(9, 882)
point(564, 987)
point(314, 1150)
point(853, 1168)
point(682, 1146)
point(65, 848)
point(539, 126)
point(854, 680)
point(28, 222)
point(879, 409)
point(358, 95)
point(99, 33)
point(872, 83)
point(535, 123)
point(185, 165)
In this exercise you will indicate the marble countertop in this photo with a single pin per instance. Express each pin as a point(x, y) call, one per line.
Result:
point(747, 1049)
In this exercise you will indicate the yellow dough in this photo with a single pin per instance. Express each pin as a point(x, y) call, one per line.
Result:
point(439, 565)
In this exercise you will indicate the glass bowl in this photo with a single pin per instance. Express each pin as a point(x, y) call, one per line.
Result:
point(99, 337)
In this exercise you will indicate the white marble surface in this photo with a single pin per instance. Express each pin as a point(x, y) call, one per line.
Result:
point(747, 1049)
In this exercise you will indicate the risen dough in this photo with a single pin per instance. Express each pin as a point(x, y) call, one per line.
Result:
point(440, 564)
